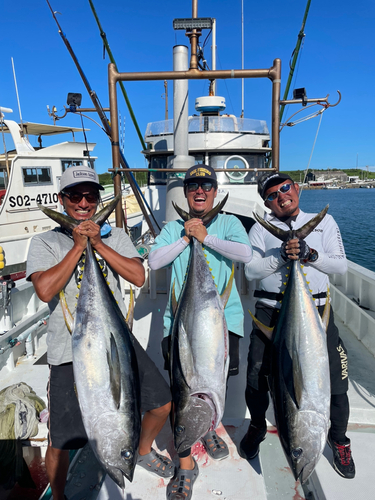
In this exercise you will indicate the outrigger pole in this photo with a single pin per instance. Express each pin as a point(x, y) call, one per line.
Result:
point(301, 36)
point(112, 59)
point(120, 222)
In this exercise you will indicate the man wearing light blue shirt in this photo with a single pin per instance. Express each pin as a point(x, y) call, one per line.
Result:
point(224, 240)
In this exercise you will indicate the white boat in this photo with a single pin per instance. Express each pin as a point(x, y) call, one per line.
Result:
point(29, 176)
point(239, 148)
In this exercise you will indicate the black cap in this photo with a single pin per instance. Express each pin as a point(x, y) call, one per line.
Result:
point(271, 179)
point(200, 172)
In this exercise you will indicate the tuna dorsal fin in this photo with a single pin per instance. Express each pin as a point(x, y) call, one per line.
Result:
point(305, 230)
point(225, 295)
point(174, 300)
point(114, 371)
point(326, 311)
point(69, 321)
point(208, 217)
point(267, 330)
point(100, 217)
point(130, 316)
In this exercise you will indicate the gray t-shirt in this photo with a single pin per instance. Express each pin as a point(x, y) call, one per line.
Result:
point(47, 250)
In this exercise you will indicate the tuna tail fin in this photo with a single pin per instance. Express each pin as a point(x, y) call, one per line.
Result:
point(267, 330)
point(305, 230)
point(213, 213)
point(208, 217)
point(100, 217)
point(326, 311)
point(225, 295)
point(300, 233)
point(63, 220)
point(184, 215)
point(69, 223)
point(68, 317)
point(130, 316)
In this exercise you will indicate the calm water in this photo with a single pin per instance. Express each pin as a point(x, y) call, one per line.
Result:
point(354, 212)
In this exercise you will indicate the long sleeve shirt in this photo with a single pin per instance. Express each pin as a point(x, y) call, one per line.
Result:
point(268, 266)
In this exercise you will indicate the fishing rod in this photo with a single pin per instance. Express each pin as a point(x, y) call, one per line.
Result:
point(112, 59)
point(99, 109)
point(301, 36)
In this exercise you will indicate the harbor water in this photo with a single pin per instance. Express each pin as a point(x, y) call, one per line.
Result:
point(354, 212)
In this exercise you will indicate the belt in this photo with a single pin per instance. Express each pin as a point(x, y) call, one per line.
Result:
point(263, 294)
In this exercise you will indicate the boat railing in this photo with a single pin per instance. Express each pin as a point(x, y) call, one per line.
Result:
point(211, 124)
point(353, 300)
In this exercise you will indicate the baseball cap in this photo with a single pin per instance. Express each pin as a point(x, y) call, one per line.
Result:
point(77, 175)
point(200, 172)
point(271, 179)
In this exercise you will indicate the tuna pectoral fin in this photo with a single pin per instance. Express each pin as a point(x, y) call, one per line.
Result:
point(130, 316)
point(69, 321)
point(225, 295)
point(326, 312)
point(114, 371)
point(267, 330)
point(174, 300)
point(297, 381)
point(185, 355)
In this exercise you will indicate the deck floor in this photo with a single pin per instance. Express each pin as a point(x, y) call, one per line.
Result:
point(266, 477)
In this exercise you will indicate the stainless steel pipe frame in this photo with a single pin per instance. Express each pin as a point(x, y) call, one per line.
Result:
point(273, 73)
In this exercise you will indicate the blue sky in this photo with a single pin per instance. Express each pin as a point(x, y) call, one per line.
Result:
point(338, 54)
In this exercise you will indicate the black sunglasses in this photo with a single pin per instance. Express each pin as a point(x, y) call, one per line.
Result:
point(284, 189)
point(193, 186)
point(76, 197)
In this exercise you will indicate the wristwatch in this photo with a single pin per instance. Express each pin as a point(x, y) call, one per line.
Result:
point(313, 255)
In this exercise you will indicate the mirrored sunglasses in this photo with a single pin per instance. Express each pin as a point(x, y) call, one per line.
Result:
point(76, 197)
point(193, 186)
point(284, 189)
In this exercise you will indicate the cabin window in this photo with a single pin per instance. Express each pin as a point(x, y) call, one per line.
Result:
point(158, 162)
point(71, 163)
point(3, 179)
point(37, 175)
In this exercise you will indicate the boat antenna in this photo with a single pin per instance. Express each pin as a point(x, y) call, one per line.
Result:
point(301, 36)
point(18, 99)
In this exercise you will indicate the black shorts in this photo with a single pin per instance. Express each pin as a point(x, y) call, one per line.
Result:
point(66, 430)
point(260, 351)
point(234, 353)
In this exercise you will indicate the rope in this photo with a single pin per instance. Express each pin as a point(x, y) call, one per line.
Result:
point(308, 164)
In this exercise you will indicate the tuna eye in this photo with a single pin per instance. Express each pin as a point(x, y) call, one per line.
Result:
point(297, 453)
point(127, 454)
point(180, 429)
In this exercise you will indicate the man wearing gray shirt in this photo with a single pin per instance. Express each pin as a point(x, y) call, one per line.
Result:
point(55, 263)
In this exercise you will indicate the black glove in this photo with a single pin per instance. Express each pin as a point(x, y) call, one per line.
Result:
point(304, 251)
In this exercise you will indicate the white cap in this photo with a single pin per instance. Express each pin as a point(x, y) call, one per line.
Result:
point(77, 175)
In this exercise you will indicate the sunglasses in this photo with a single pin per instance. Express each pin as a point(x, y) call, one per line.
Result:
point(193, 186)
point(284, 189)
point(76, 197)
